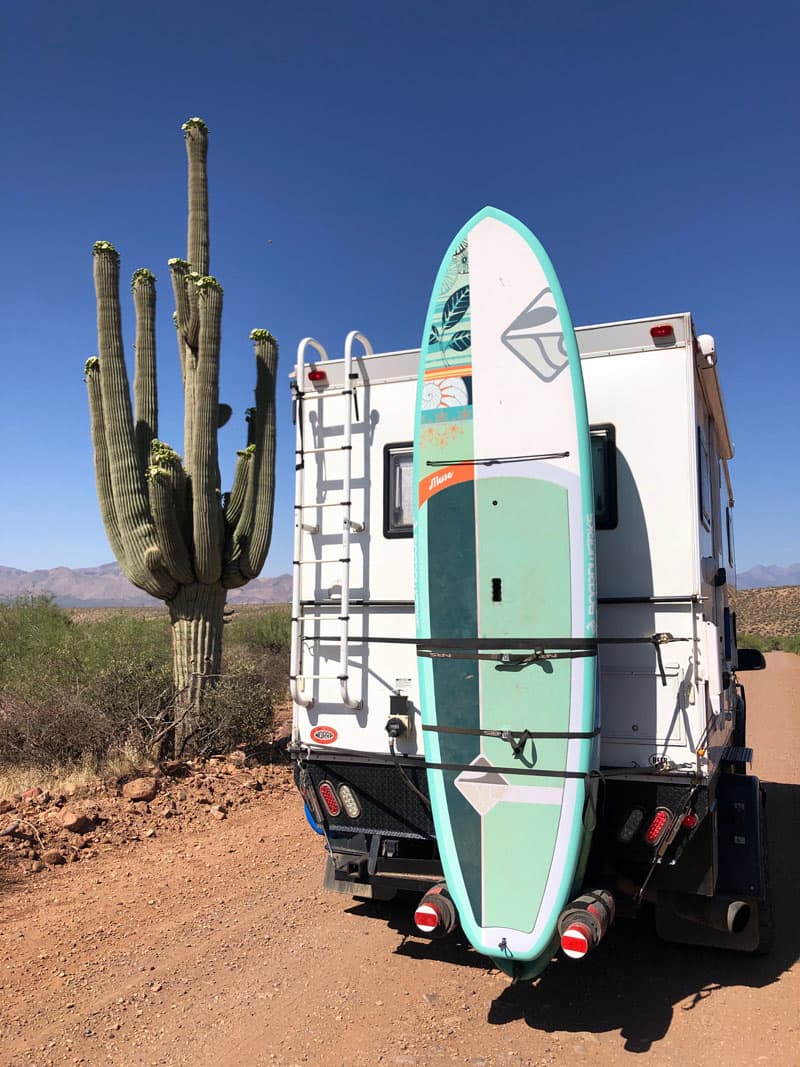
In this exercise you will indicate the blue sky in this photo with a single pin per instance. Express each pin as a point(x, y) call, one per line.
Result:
point(653, 149)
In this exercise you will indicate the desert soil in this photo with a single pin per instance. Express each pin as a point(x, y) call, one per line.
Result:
point(210, 941)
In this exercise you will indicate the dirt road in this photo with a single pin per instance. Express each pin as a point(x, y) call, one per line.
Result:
point(214, 944)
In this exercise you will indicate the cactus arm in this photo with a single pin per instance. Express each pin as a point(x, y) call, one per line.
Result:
point(162, 506)
point(105, 491)
point(236, 497)
point(196, 134)
point(249, 540)
point(260, 532)
point(203, 465)
point(178, 269)
point(145, 391)
point(135, 527)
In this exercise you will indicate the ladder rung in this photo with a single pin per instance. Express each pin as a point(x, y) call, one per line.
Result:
point(319, 677)
point(325, 448)
point(309, 562)
point(318, 394)
point(329, 504)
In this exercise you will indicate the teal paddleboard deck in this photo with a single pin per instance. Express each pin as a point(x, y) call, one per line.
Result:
point(505, 591)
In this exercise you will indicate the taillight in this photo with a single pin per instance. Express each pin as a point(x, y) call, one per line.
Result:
point(655, 831)
point(315, 374)
point(349, 802)
point(631, 826)
point(329, 798)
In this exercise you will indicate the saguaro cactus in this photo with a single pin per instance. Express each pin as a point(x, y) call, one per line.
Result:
point(173, 532)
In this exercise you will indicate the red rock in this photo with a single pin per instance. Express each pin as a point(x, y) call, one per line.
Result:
point(75, 821)
point(5, 806)
point(53, 857)
point(177, 768)
point(32, 793)
point(140, 789)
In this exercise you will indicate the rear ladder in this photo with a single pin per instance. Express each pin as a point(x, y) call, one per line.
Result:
point(299, 604)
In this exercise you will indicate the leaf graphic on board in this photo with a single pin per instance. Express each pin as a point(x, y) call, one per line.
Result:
point(460, 341)
point(456, 307)
point(434, 337)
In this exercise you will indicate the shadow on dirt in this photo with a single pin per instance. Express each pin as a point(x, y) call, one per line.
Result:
point(633, 981)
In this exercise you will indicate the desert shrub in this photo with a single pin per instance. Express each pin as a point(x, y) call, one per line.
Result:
point(270, 629)
point(76, 691)
point(49, 730)
point(237, 711)
point(762, 644)
point(786, 643)
point(37, 646)
point(124, 639)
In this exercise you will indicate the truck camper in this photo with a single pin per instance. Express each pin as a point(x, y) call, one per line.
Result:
point(677, 821)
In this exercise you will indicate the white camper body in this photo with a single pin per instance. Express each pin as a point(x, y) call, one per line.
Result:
point(672, 711)
point(661, 448)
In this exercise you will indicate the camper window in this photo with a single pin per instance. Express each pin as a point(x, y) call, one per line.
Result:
point(604, 475)
point(704, 479)
point(398, 508)
point(729, 528)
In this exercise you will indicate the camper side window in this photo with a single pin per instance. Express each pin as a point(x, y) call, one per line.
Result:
point(729, 528)
point(398, 507)
point(704, 479)
point(604, 475)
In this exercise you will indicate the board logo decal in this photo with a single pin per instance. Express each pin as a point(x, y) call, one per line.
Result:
point(443, 479)
point(536, 337)
point(324, 735)
point(444, 393)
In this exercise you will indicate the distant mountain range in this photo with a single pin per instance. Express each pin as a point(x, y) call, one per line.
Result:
point(768, 577)
point(107, 587)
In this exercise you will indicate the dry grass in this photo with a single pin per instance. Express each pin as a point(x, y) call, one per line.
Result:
point(68, 778)
point(768, 612)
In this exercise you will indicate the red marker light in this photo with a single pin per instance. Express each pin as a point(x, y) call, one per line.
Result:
point(317, 375)
point(657, 827)
point(690, 821)
point(662, 333)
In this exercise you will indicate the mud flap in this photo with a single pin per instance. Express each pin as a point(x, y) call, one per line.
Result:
point(743, 874)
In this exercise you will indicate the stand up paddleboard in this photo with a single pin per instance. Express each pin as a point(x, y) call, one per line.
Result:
point(505, 587)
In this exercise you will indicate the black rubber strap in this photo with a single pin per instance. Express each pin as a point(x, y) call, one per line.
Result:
point(534, 771)
point(518, 739)
point(492, 460)
point(506, 735)
point(477, 644)
point(508, 659)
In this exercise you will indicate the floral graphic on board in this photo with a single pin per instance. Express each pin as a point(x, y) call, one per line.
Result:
point(449, 330)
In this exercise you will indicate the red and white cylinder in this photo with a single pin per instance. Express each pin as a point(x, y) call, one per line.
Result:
point(435, 915)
